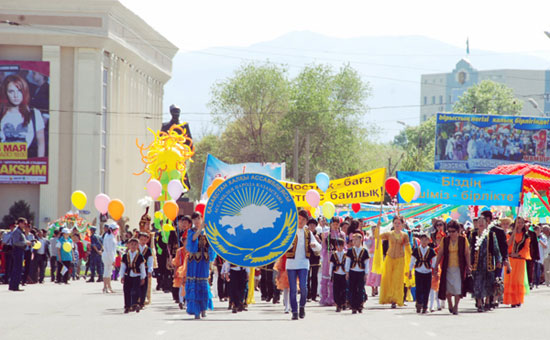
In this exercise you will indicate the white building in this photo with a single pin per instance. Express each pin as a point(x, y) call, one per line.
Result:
point(440, 91)
point(108, 68)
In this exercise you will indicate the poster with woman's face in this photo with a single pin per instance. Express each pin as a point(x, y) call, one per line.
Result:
point(24, 121)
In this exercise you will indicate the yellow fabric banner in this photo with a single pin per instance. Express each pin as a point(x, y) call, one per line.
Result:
point(362, 188)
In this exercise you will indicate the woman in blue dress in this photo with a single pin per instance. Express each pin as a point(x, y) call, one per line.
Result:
point(197, 290)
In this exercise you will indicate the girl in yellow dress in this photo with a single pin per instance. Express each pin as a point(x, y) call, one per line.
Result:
point(393, 273)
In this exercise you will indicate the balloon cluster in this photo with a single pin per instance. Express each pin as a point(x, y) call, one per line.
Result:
point(313, 198)
point(102, 203)
point(409, 191)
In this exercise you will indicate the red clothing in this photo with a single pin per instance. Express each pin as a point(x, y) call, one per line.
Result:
point(81, 253)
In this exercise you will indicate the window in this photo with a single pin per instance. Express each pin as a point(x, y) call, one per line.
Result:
point(450, 100)
point(433, 99)
point(440, 100)
point(425, 100)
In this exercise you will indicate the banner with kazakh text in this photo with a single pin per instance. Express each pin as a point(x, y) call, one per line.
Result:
point(362, 188)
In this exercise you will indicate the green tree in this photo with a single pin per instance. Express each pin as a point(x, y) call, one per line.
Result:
point(418, 145)
point(18, 209)
point(489, 97)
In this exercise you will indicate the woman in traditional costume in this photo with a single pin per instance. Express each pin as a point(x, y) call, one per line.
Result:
point(393, 274)
point(328, 245)
point(485, 257)
point(197, 290)
point(518, 250)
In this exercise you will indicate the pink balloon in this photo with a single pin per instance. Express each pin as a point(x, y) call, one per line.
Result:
point(175, 189)
point(101, 203)
point(154, 188)
point(313, 198)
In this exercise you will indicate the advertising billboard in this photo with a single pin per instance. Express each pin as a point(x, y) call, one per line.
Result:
point(472, 142)
point(24, 118)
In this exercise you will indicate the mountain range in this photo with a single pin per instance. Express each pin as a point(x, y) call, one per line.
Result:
point(392, 65)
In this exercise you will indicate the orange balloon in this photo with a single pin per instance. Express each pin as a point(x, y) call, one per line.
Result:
point(171, 210)
point(116, 209)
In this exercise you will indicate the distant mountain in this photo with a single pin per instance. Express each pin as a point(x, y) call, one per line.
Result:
point(392, 65)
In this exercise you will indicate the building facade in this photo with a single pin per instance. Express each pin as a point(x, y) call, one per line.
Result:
point(440, 91)
point(107, 70)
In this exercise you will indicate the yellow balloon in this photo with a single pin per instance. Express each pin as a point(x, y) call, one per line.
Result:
point(78, 198)
point(158, 214)
point(37, 245)
point(167, 227)
point(407, 191)
point(67, 247)
point(328, 209)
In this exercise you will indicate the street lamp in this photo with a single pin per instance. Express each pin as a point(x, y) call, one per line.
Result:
point(533, 102)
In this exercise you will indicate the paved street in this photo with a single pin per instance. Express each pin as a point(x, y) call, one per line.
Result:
point(81, 311)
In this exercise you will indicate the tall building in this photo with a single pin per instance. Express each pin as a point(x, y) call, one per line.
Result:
point(440, 91)
point(106, 71)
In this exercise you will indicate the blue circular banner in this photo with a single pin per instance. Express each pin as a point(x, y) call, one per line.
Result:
point(251, 220)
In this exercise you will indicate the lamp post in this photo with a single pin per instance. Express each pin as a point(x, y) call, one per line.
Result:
point(534, 103)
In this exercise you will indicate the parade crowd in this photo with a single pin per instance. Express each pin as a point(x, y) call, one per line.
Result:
point(497, 261)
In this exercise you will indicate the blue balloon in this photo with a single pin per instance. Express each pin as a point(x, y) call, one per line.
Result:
point(322, 180)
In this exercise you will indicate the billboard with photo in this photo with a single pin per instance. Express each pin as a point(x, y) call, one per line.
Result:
point(24, 118)
point(472, 142)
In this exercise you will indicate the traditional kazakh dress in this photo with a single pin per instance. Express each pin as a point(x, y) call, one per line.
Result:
point(393, 273)
point(328, 245)
point(197, 289)
point(514, 288)
point(484, 262)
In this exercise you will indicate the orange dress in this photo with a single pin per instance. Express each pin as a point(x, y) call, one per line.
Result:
point(514, 289)
point(180, 269)
point(282, 278)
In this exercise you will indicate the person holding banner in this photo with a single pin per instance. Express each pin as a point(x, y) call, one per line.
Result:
point(19, 123)
point(518, 250)
point(393, 274)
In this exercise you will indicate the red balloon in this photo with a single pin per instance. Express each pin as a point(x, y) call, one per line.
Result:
point(356, 207)
point(392, 186)
point(200, 208)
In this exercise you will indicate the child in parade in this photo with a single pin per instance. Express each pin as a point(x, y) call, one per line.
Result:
point(133, 274)
point(338, 275)
point(237, 278)
point(147, 254)
point(356, 272)
point(422, 260)
point(180, 273)
point(282, 282)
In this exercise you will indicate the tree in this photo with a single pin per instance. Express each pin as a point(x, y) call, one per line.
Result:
point(209, 144)
point(489, 97)
point(18, 209)
point(418, 144)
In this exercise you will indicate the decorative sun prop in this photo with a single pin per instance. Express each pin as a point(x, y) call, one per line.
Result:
point(165, 158)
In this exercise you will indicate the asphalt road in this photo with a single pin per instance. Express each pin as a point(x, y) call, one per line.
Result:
point(81, 311)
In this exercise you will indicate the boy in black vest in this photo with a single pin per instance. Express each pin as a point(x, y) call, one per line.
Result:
point(147, 254)
point(356, 272)
point(338, 275)
point(132, 271)
point(422, 260)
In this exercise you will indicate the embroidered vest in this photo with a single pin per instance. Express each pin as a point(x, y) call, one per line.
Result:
point(291, 253)
point(425, 260)
point(337, 264)
point(358, 259)
point(132, 265)
point(146, 253)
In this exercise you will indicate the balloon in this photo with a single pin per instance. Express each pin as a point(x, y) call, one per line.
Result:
point(116, 209)
point(417, 189)
point(37, 245)
point(328, 209)
point(356, 207)
point(168, 227)
point(175, 189)
point(407, 192)
point(158, 215)
point(67, 247)
point(323, 181)
point(200, 208)
point(171, 210)
point(78, 198)
point(154, 189)
point(313, 198)
point(101, 203)
point(392, 186)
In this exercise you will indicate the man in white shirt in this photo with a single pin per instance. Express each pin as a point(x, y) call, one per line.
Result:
point(297, 264)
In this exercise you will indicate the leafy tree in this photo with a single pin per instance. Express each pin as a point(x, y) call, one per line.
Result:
point(418, 144)
point(489, 97)
point(18, 209)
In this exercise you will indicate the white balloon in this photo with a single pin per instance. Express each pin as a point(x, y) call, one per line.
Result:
point(417, 188)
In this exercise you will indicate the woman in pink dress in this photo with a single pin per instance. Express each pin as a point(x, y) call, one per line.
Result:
point(373, 279)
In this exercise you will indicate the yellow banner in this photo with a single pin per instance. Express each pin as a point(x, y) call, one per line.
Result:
point(362, 188)
point(13, 151)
